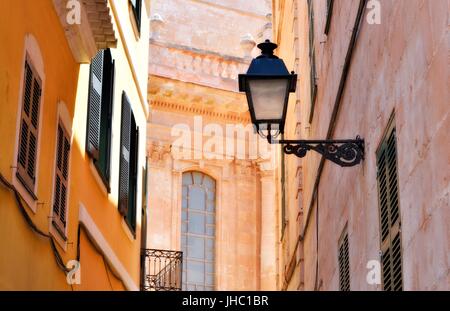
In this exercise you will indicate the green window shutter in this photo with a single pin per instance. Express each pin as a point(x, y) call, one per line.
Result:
point(312, 60)
point(103, 161)
point(61, 180)
point(124, 173)
point(137, 11)
point(344, 264)
point(99, 125)
point(134, 153)
point(95, 105)
point(29, 127)
point(389, 212)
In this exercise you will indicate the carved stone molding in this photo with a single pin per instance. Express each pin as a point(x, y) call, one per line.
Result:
point(266, 168)
point(173, 106)
point(158, 152)
point(181, 97)
point(245, 168)
point(94, 31)
point(196, 66)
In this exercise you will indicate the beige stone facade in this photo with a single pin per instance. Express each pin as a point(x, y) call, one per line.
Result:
point(197, 50)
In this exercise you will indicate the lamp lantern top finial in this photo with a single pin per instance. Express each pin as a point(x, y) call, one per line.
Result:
point(267, 49)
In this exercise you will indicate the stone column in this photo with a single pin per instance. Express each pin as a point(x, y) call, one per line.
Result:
point(268, 227)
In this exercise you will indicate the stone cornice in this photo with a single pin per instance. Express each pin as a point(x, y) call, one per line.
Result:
point(191, 110)
point(194, 50)
point(197, 66)
point(193, 99)
point(94, 32)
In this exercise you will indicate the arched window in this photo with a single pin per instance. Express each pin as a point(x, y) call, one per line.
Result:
point(198, 231)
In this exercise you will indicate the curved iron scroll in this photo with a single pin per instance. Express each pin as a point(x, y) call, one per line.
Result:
point(342, 152)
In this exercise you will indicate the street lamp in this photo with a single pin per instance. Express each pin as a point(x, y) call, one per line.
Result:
point(267, 85)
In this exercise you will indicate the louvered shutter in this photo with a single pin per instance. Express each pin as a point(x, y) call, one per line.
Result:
point(28, 138)
point(95, 105)
point(137, 8)
point(133, 181)
point(124, 176)
point(102, 163)
point(109, 121)
point(344, 264)
point(61, 180)
point(389, 213)
point(312, 60)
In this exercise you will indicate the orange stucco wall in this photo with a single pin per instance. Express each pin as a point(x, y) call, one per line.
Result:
point(26, 259)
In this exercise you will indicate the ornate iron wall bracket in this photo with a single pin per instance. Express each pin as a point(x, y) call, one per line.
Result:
point(345, 153)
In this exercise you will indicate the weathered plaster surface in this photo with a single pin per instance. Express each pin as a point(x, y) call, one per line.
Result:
point(398, 66)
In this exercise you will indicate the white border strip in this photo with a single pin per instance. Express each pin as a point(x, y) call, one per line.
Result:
point(103, 246)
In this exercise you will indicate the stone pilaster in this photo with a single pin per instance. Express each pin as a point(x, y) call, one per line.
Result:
point(268, 227)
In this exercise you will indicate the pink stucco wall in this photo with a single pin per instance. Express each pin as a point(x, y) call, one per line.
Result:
point(399, 66)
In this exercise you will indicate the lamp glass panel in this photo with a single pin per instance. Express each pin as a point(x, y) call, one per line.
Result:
point(268, 98)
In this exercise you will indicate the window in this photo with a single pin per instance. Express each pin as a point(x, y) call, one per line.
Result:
point(101, 90)
point(344, 263)
point(389, 211)
point(198, 231)
point(129, 146)
point(330, 4)
point(61, 181)
point(29, 128)
point(136, 5)
point(312, 60)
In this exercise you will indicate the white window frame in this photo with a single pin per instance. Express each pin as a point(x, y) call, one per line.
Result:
point(63, 118)
point(33, 53)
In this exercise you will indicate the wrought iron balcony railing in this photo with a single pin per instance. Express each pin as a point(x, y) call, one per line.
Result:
point(161, 270)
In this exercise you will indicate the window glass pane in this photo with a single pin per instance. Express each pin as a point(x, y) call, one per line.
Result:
point(184, 217)
point(209, 183)
point(195, 272)
point(187, 179)
point(196, 248)
point(209, 243)
point(210, 255)
point(196, 223)
point(210, 219)
point(185, 191)
point(210, 206)
point(183, 243)
point(196, 198)
point(198, 177)
point(210, 231)
point(211, 195)
point(209, 268)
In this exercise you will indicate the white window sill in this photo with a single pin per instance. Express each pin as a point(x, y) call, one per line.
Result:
point(98, 178)
point(31, 202)
point(54, 232)
point(127, 230)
